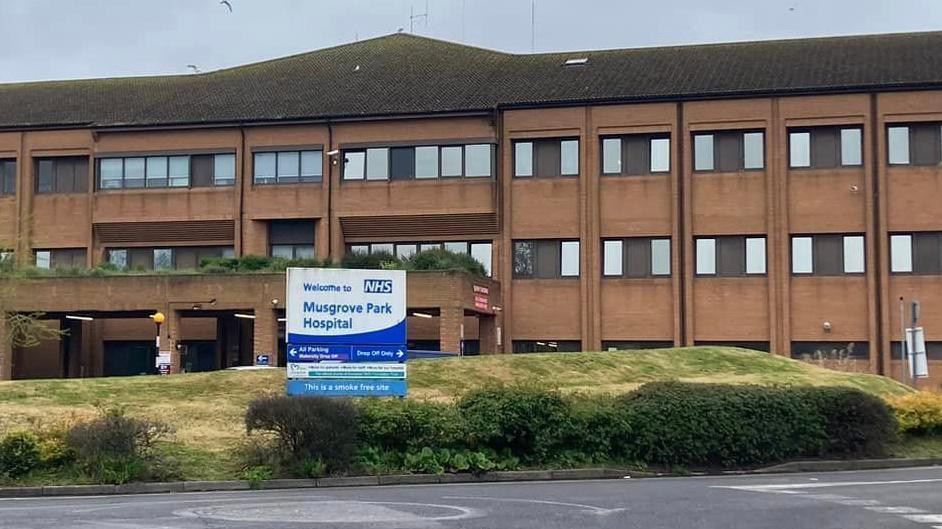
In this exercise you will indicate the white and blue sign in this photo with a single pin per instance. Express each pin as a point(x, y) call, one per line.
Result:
point(384, 370)
point(347, 388)
point(353, 307)
point(346, 353)
point(346, 332)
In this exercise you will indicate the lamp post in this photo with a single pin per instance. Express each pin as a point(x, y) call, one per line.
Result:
point(159, 318)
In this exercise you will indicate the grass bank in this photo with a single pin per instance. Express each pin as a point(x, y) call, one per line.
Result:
point(206, 409)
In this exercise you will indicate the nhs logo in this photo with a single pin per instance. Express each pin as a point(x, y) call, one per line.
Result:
point(378, 286)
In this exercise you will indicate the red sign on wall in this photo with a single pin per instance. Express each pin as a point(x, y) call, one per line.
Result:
point(481, 298)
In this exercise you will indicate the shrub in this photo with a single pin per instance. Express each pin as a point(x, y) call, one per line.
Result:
point(115, 448)
point(115, 435)
point(526, 421)
point(918, 413)
point(19, 454)
point(308, 428)
point(599, 430)
point(405, 425)
point(370, 261)
point(855, 423)
point(445, 260)
point(703, 424)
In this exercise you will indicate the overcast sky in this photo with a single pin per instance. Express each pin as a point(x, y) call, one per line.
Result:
point(65, 39)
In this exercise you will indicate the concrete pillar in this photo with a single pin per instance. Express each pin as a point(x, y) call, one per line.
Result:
point(6, 352)
point(487, 334)
point(265, 339)
point(449, 331)
point(169, 337)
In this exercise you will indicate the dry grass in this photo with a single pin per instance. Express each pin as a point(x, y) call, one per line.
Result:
point(207, 408)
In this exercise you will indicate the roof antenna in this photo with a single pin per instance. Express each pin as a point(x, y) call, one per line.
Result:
point(413, 17)
point(532, 26)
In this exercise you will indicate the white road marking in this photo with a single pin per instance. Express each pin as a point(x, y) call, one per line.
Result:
point(589, 508)
point(789, 486)
point(902, 509)
point(924, 518)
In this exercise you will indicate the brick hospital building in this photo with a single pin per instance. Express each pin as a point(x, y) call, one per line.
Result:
point(781, 196)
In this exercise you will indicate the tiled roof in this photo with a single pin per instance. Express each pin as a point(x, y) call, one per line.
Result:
point(403, 74)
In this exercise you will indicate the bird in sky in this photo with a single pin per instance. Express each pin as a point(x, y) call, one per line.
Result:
point(227, 4)
point(194, 67)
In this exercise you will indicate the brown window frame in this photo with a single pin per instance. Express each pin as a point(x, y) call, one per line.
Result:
point(540, 146)
point(626, 245)
point(625, 140)
point(739, 136)
point(76, 162)
point(550, 251)
point(725, 241)
point(912, 127)
point(814, 150)
point(819, 240)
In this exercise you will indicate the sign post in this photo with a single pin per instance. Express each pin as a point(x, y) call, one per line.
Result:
point(346, 332)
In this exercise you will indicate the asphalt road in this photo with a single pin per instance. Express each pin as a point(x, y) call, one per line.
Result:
point(910, 499)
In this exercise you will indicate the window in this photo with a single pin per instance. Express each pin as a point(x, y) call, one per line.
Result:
point(353, 165)
point(901, 253)
point(799, 149)
point(480, 251)
point(136, 172)
point(636, 154)
point(7, 178)
point(546, 158)
point(917, 253)
point(755, 255)
point(67, 174)
point(898, 140)
point(546, 346)
point(291, 239)
point(636, 257)
point(569, 157)
point(377, 164)
point(612, 258)
point(523, 158)
point(824, 147)
point(163, 259)
point(915, 144)
point(224, 169)
point(731, 256)
point(706, 256)
point(802, 255)
point(828, 255)
point(118, 258)
point(284, 167)
point(546, 259)
point(61, 258)
point(423, 162)
point(178, 171)
point(405, 251)
point(753, 150)
point(477, 160)
point(729, 151)
point(830, 350)
point(569, 258)
point(179, 258)
point(451, 161)
point(703, 152)
point(426, 162)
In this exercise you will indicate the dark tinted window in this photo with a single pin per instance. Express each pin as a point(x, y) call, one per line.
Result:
point(291, 232)
point(402, 163)
point(547, 158)
point(927, 253)
point(547, 346)
point(62, 175)
point(7, 177)
point(544, 258)
point(830, 350)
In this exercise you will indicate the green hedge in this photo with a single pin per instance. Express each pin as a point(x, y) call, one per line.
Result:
point(662, 423)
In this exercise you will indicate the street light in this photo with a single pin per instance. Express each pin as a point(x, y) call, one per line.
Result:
point(159, 318)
